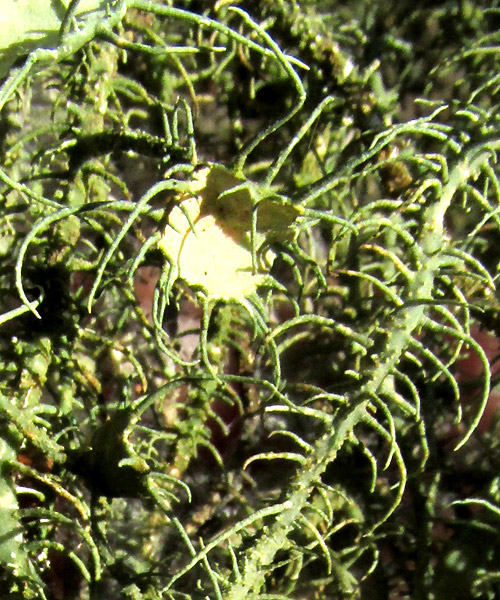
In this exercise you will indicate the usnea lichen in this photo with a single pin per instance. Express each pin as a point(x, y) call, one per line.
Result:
point(240, 290)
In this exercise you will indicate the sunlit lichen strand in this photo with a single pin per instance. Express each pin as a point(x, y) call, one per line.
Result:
point(256, 561)
point(432, 257)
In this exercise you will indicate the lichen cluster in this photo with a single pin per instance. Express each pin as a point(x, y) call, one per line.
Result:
point(248, 297)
